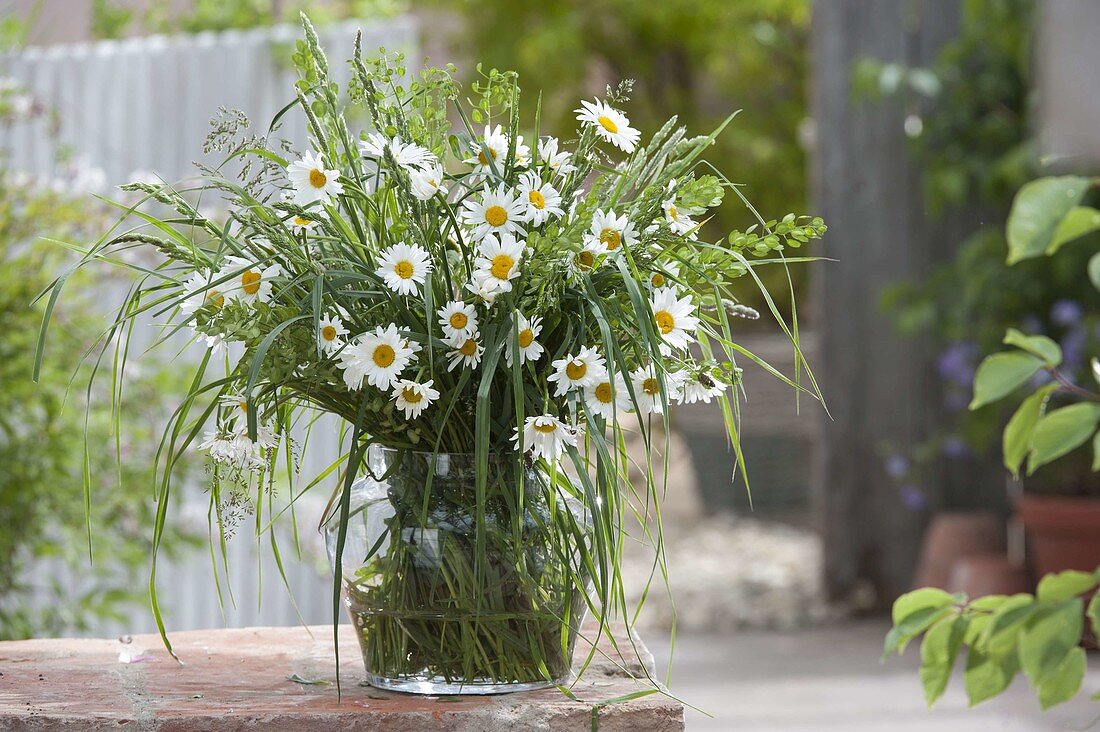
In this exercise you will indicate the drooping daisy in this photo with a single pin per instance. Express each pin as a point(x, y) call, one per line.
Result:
point(677, 220)
point(700, 387)
point(498, 212)
point(414, 398)
point(301, 223)
point(545, 436)
point(427, 182)
point(561, 163)
point(238, 402)
point(612, 231)
point(466, 351)
point(408, 155)
point(541, 199)
point(497, 263)
point(458, 319)
point(649, 387)
point(251, 282)
point(215, 343)
point(674, 318)
point(312, 181)
point(588, 258)
point(576, 372)
point(610, 124)
point(662, 275)
point(483, 289)
point(378, 356)
point(201, 292)
point(496, 143)
point(403, 267)
point(529, 347)
point(606, 396)
point(330, 333)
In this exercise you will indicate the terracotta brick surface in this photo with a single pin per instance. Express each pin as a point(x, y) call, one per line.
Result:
point(241, 680)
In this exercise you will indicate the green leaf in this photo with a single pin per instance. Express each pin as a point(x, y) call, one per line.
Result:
point(1061, 431)
point(911, 626)
point(1065, 585)
point(1008, 619)
point(938, 651)
point(1094, 614)
point(916, 600)
point(1063, 683)
point(1037, 211)
point(1096, 452)
point(1080, 220)
point(1094, 270)
point(1017, 435)
point(1036, 345)
point(1047, 639)
point(987, 674)
point(1001, 373)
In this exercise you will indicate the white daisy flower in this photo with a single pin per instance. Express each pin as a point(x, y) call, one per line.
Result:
point(662, 275)
point(408, 155)
point(413, 398)
point(484, 290)
point(466, 351)
point(497, 263)
point(200, 291)
point(378, 356)
point(215, 343)
point(561, 163)
point(301, 223)
point(237, 449)
point(312, 181)
point(610, 124)
point(497, 143)
point(605, 399)
point(251, 283)
point(330, 333)
point(588, 258)
point(649, 386)
point(458, 319)
point(678, 221)
point(576, 372)
point(541, 199)
point(700, 387)
point(612, 231)
point(674, 318)
point(427, 182)
point(403, 267)
point(529, 347)
point(239, 402)
point(546, 437)
point(498, 212)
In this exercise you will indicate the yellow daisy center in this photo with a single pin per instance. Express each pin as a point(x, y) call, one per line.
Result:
point(328, 333)
point(383, 355)
point(537, 199)
point(484, 160)
point(502, 266)
point(469, 348)
point(586, 259)
point(243, 405)
point(607, 123)
point(657, 280)
point(317, 178)
point(651, 386)
point(576, 369)
point(611, 238)
point(250, 282)
point(459, 321)
point(213, 296)
point(411, 395)
point(665, 321)
point(673, 213)
point(603, 393)
point(526, 337)
point(302, 221)
point(545, 428)
point(403, 269)
point(496, 215)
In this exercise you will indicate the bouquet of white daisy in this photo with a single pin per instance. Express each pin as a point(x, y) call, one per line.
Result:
point(493, 317)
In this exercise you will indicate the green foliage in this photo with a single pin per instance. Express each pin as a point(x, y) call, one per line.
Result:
point(1002, 636)
point(1037, 224)
point(42, 437)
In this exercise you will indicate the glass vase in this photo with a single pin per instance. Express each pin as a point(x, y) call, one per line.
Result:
point(449, 598)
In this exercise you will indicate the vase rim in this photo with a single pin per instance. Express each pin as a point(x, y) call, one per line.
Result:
point(441, 453)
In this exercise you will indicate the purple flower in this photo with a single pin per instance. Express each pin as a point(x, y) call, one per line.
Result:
point(897, 466)
point(956, 363)
point(913, 498)
point(1066, 313)
point(956, 401)
point(1073, 349)
point(954, 448)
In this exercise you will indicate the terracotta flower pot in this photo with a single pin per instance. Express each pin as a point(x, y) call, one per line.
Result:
point(1064, 532)
point(953, 535)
